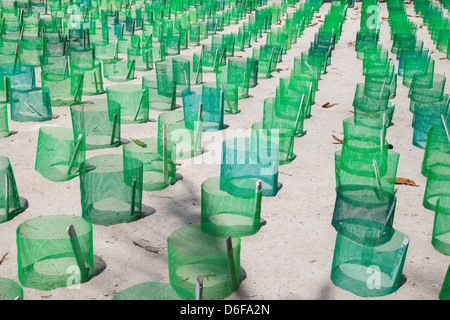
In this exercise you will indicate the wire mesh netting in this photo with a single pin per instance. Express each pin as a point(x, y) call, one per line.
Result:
point(10, 290)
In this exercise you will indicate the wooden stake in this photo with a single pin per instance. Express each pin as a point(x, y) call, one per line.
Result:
point(133, 196)
point(113, 133)
point(256, 217)
point(377, 177)
point(131, 70)
point(229, 245)
point(78, 253)
point(198, 132)
point(199, 288)
point(139, 105)
point(165, 154)
point(75, 151)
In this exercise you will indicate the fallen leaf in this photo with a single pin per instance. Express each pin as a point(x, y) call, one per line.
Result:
point(329, 105)
point(405, 181)
point(318, 16)
point(337, 139)
point(443, 58)
point(313, 24)
point(320, 20)
point(140, 143)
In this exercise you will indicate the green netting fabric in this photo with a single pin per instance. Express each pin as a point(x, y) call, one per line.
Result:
point(59, 156)
point(212, 101)
point(245, 159)
point(65, 89)
point(367, 102)
point(30, 105)
point(191, 253)
point(267, 57)
point(163, 100)
point(444, 294)
point(438, 184)
point(231, 95)
point(111, 189)
point(133, 101)
point(426, 90)
point(437, 148)
point(9, 195)
point(99, 123)
point(237, 72)
point(159, 168)
point(209, 58)
point(277, 132)
point(4, 127)
point(441, 226)
point(143, 58)
point(294, 92)
point(48, 257)
point(154, 291)
point(368, 258)
point(221, 210)
point(92, 75)
point(188, 142)
point(19, 76)
point(363, 202)
point(119, 71)
point(10, 290)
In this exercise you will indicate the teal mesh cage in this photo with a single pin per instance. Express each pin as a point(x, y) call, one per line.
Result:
point(9, 196)
point(30, 105)
point(4, 124)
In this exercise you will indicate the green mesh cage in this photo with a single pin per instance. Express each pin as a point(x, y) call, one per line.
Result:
point(19, 76)
point(248, 158)
point(441, 231)
point(428, 91)
point(65, 90)
point(59, 157)
point(10, 290)
point(99, 123)
point(236, 72)
point(91, 71)
point(30, 105)
point(154, 291)
point(438, 180)
point(211, 100)
point(143, 58)
point(293, 89)
point(444, 294)
point(54, 251)
point(111, 189)
point(289, 113)
point(9, 197)
point(368, 258)
point(191, 253)
point(133, 101)
point(163, 100)
point(221, 211)
point(280, 133)
point(365, 102)
point(4, 127)
point(159, 166)
point(188, 142)
point(267, 57)
point(437, 149)
point(119, 71)
point(231, 95)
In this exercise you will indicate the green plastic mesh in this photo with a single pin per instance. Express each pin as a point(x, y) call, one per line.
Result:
point(133, 101)
point(92, 75)
point(444, 294)
point(231, 95)
point(154, 291)
point(280, 133)
point(212, 101)
point(161, 101)
point(30, 105)
point(119, 71)
point(65, 90)
point(209, 58)
point(98, 123)
point(10, 290)
point(48, 257)
point(22, 76)
point(424, 90)
point(293, 88)
point(248, 158)
point(367, 101)
point(59, 157)
point(159, 168)
point(30, 50)
point(237, 72)
point(106, 51)
point(417, 65)
point(288, 107)
point(111, 189)
point(4, 127)
point(441, 231)
point(437, 149)
point(267, 57)
point(363, 202)
point(368, 258)
point(9, 196)
point(438, 180)
point(221, 211)
point(191, 253)
point(143, 58)
point(188, 142)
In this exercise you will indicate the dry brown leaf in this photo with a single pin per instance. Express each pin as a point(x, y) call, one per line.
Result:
point(443, 58)
point(329, 105)
point(337, 139)
point(320, 20)
point(405, 181)
point(313, 24)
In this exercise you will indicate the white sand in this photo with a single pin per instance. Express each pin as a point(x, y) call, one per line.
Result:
point(290, 257)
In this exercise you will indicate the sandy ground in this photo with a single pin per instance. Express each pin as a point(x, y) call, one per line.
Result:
point(290, 257)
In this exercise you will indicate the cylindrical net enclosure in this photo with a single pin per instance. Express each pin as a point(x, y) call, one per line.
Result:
point(4, 127)
point(221, 210)
point(111, 189)
point(99, 123)
point(370, 103)
point(10, 290)
point(289, 114)
point(231, 95)
point(248, 158)
point(444, 294)
point(427, 88)
point(161, 100)
point(54, 251)
point(425, 116)
point(282, 134)
point(18, 76)
point(363, 202)
point(9, 196)
point(30, 105)
point(154, 291)
point(159, 166)
point(65, 89)
point(236, 72)
point(92, 75)
point(133, 101)
point(438, 184)
point(59, 157)
point(441, 226)
point(437, 149)
point(188, 142)
point(191, 253)
point(368, 258)
point(211, 100)
point(119, 71)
